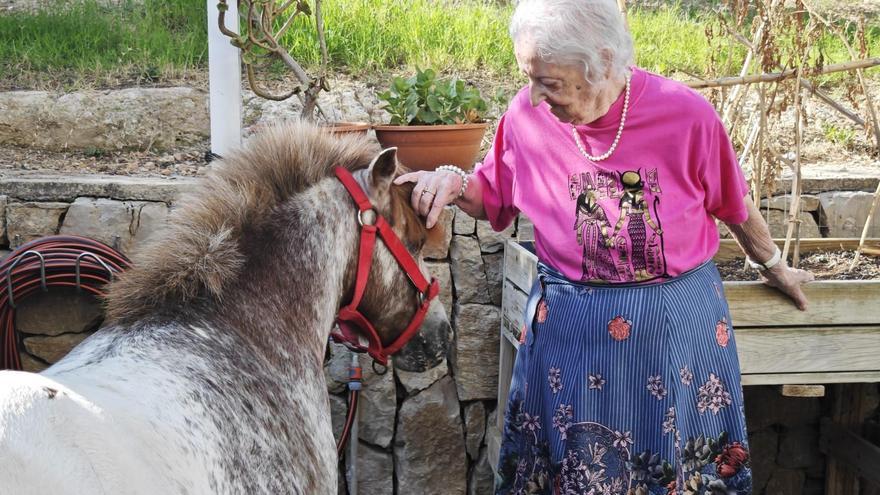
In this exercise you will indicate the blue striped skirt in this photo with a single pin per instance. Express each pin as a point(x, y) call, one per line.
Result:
point(626, 389)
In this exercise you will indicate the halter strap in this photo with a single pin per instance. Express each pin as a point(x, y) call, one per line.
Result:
point(353, 325)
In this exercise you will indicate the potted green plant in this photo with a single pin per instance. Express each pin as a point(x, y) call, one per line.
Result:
point(434, 121)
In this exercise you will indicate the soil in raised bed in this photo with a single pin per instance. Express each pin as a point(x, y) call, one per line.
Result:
point(826, 265)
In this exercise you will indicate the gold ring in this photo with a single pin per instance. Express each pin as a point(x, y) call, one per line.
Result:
point(432, 193)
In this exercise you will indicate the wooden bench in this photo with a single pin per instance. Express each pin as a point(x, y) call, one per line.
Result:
point(837, 341)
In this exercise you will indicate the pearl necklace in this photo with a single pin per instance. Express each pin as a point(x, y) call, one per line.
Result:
point(580, 145)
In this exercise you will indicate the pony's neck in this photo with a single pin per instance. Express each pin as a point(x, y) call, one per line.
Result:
point(295, 288)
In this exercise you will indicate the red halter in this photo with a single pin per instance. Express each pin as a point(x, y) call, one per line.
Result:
point(352, 323)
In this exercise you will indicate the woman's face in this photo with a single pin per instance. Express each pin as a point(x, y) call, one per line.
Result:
point(563, 87)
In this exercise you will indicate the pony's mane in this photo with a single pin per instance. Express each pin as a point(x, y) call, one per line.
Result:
point(198, 254)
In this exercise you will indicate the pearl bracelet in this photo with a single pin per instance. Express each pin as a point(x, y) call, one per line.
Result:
point(461, 173)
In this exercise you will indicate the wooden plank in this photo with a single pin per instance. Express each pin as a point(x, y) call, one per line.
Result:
point(506, 360)
point(832, 302)
point(513, 308)
point(808, 350)
point(730, 250)
point(520, 265)
point(493, 445)
point(849, 408)
point(826, 378)
point(802, 390)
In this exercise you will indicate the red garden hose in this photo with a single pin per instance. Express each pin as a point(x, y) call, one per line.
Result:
point(54, 261)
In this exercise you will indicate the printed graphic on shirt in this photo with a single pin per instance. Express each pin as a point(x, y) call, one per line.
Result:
point(617, 225)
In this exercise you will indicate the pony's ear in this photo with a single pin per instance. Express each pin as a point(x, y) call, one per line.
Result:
point(383, 168)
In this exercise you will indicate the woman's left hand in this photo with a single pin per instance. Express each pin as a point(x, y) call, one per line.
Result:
point(789, 280)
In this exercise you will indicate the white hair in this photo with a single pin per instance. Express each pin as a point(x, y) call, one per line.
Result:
point(570, 32)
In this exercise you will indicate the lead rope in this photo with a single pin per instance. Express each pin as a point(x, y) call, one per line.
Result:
point(350, 428)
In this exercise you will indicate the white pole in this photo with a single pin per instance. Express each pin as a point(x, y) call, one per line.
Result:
point(224, 67)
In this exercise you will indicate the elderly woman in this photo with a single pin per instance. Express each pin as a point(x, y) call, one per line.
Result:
point(627, 379)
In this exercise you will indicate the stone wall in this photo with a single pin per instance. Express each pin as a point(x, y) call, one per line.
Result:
point(419, 432)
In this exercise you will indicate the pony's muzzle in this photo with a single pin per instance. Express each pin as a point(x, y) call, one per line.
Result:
point(429, 345)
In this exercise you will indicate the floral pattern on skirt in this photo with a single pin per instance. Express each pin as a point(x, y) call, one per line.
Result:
point(626, 390)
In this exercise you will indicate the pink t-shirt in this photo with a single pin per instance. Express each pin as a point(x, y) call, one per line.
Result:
point(644, 214)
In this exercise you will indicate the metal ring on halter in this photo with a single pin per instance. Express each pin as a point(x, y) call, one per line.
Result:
point(361, 217)
point(100, 262)
point(380, 373)
point(15, 263)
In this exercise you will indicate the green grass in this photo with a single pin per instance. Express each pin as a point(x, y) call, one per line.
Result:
point(156, 40)
point(86, 41)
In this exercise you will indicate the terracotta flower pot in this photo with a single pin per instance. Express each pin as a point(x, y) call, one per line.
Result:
point(347, 127)
point(425, 147)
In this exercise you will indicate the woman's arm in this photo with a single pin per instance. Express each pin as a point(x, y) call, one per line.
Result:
point(753, 236)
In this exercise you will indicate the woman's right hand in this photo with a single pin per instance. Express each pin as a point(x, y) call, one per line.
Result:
point(433, 191)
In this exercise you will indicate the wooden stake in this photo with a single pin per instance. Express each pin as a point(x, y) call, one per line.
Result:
point(808, 85)
point(779, 76)
point(621, 4)
point(796, 185)
point(734, 95)
point(758, 170)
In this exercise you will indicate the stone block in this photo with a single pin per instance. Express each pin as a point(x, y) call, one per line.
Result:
point(814, 487)
point(786, 482)
point(525, 229)
point(845, 213)
point(463, 224)
point(31, 364)
point(491, 241)
point(799, 448)
point(808, 202)
point(152, 217)
point(28, 221)
point(61, 310)
point(141, 118)
point(777, 221)
point(69, 187)
point(429, 450)
point(494, 264)
point(763, 446)
point(437, 247)
point(375, 470)
point(475, 357)
point(121, 224)
point(377, 406)
point(475, 427)
point(52, 349)
point(413, 382)
point(468, 271)
point(440, 271)
point(482, 479)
